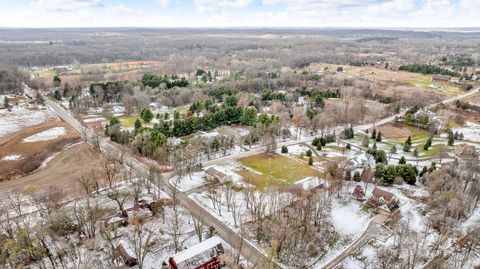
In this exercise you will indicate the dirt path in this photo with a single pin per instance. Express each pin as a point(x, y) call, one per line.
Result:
point(367, 234)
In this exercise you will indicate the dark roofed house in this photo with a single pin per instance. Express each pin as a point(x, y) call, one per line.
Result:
point(384, 203)
point(441, 78)
point(205, 255)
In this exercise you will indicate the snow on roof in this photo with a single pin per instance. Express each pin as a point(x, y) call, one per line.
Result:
point(197, 250)
point(361, 159)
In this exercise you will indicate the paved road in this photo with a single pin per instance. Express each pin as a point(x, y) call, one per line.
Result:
point(249, 251)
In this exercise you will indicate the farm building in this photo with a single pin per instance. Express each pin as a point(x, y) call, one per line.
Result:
point(205, 255)
point(384, 203)
point(441, 78)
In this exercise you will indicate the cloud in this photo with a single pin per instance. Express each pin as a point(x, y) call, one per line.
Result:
point(163, 3)
point(218, 5)
point(119, 10)
point(66, 5)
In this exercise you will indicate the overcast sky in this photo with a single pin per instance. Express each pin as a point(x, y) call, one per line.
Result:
point(238, 13)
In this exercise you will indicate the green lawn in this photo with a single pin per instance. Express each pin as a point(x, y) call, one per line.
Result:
point(277, 167)
point(128, 121)
point(433, 150)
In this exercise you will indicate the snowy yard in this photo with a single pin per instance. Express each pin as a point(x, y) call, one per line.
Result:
point(348, 218)
point(471, 132)
point(21, 117)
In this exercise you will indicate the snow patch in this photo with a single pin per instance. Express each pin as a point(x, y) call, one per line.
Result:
point(12, 157)
point(49, 134)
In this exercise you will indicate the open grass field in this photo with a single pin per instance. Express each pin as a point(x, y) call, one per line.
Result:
point(275, 170)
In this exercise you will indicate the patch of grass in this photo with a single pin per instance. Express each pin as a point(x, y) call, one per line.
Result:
point(365, 208)
point(260, 181)
point(128, 121)
point(278, 167)
point(418, 135)
point(335, 239)
point(435, 150)
point(335, 148)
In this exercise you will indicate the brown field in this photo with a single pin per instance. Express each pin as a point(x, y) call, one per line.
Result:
point(129, 70)
point(405, 81)
point(394, 131)
point(58, 173)
point(33, 153)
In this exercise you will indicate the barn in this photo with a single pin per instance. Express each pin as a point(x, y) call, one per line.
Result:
point(441, 78)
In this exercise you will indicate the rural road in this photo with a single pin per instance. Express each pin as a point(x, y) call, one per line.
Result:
point(248, 250)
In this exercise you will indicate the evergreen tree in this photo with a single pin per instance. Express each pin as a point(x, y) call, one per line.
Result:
point(349, 134)
point(348, 176)
point(138, 124)
point(424, 170)
point(379, 136)
point(427, 144)
point(146, 115)
point(309, 153)
point(374, 145)
point(451, 139)
point(57, 95)
point(356, 176)
point(6, 102)
point(348, 146)
point(249, 116)
point(310, 161)
point(284, 149)
point(409, 141)
point(57, 82)
point(406, 147)
point(374, 134)
point(402, 160)
point(319, 146)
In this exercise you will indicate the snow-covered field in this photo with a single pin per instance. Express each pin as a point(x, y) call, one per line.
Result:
point(46, 135)
point(471, 132)
point(21, 117)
